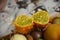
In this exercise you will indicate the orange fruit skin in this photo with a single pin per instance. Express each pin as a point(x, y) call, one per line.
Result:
point(23, 30)
point(52, 32)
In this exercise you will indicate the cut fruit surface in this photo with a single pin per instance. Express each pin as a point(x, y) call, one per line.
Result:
point(23, 21)
point(41, 17)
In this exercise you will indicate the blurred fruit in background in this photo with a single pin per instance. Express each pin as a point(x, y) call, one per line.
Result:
point(29, 37)
point(18, 37)
point(36, 35)
point(52, 32)
point(56, 20)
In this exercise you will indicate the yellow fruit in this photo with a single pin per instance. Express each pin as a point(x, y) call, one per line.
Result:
point(41, 17)
point(23, 24)
point(18, 37)
point(52, 32)
point(56, 20)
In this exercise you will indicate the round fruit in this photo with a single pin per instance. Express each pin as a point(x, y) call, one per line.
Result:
point(36, 35)
point(56, 20)
point(52, 32)
point(18, 37)
point(23, 24)
point(29, 37)
point(41, 17)
point(40, 39)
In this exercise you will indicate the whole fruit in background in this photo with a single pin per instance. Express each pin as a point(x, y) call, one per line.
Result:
point(41, 18)
point(23, 24)
point(54, 16)
point(40, 39)
point(56, 20)
point(29, 37)
point(36, 35)
point(18, 37)
point(52, 32)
